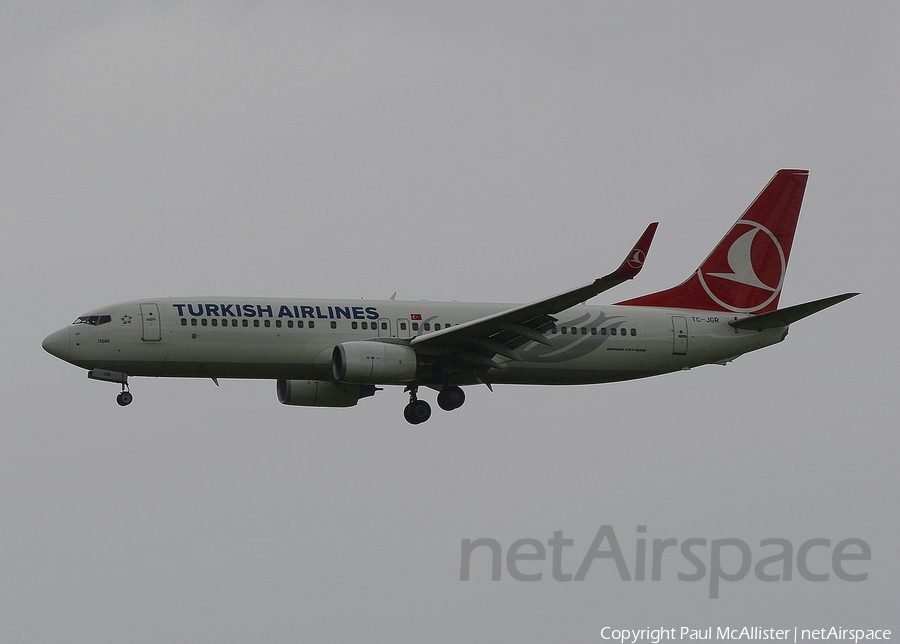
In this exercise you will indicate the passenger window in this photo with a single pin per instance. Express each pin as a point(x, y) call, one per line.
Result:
point(203, 322)
point(234, 323)
point(603, 330)
point(183, 321)
point(437, 327)
point(256, 323)
point(427, 326)
point(268, 323)
point(244, 322)
point(384, 326)
point(574, 330)
point(415, 326)
point(593, 330)
point(312, 324)
point(612, 331)
point(299, 324)
point(553, 331)
point(333, 324)
point(354, 325)
point(214, 322)
point(193, 321)
point(290, 324)
point(402, 326)
point(634, 332)
point(278, 324)
point(564, 330)
point(364, 325)
point(584, 330)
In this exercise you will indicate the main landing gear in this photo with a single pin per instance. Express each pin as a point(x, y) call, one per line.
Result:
point(418, 411)
point(451, 397)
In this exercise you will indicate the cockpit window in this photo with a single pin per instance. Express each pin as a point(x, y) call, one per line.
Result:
point(93, 320)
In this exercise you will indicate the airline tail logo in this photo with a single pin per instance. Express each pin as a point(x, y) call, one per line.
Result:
point(746, 271)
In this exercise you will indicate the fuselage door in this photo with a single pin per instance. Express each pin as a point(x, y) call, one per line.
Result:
point(679, 330)
point(384, 327)
point(150, 321)
point(402, 328)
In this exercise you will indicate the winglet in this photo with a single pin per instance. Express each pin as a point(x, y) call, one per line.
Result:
point(634, 262)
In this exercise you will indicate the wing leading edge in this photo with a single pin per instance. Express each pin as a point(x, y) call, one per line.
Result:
point(477, 341)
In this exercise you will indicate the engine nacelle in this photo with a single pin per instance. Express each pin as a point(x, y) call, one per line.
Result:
point(377, 362)
point(316, 393)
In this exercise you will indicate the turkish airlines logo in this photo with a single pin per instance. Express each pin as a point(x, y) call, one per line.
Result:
point(637, 258)
point(750, 276)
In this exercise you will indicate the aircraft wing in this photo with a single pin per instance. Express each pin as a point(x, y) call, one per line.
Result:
point(477, 341)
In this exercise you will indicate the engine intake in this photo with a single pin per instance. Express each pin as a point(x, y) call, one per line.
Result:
point(376, 362)
point(316, 393)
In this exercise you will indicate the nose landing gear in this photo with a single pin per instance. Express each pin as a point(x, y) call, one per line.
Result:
point(125, 397)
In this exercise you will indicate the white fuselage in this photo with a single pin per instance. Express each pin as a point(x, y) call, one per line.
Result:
point(279, 338)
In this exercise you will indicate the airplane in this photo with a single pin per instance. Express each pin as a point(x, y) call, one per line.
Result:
point(335, 352)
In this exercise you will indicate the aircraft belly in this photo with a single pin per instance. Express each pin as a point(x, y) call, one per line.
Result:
point(252, 370)
point(563, 376)
point(270, 360)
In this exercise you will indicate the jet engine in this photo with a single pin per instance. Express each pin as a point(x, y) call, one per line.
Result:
point(376, 362)
point(316, 393)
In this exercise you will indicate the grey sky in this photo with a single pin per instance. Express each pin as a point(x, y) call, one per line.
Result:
point(479, 151)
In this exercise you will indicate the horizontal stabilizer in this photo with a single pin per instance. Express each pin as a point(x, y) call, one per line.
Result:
point(789, 315)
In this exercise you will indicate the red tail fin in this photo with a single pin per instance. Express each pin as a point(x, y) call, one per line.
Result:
point(745, 272)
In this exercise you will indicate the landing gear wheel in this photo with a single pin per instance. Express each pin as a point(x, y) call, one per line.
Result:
point(417, 411)
point(451, 397)
point(124, 398)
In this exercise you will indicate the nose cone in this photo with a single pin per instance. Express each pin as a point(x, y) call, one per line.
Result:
point(57, 344)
